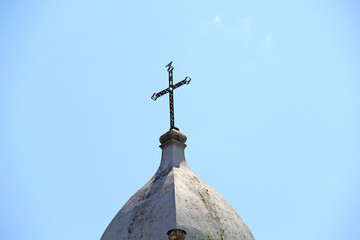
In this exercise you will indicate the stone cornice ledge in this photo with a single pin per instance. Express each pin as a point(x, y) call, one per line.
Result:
point(173, 134)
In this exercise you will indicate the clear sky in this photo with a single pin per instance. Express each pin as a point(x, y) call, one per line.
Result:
point(272, 112)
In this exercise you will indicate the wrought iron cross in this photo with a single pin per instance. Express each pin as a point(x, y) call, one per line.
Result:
point(170, 90)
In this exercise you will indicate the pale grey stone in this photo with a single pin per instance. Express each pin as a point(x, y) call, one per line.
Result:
point(175, 199)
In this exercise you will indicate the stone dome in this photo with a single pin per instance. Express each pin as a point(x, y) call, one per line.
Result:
point(175, 198)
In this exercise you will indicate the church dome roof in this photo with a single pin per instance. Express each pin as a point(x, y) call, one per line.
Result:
point(175, 198)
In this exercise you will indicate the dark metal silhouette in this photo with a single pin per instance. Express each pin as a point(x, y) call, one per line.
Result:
point(170, 91)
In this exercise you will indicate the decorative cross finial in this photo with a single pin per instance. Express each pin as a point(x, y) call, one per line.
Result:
point(170, 91)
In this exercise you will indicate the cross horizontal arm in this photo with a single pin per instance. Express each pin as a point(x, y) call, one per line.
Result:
point(159, 94)
point(185, 81)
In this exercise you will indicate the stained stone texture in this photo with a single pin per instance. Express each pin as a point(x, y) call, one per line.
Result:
point(175, 199)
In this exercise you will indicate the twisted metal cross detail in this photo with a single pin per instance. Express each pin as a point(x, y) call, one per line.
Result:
point(170, 90)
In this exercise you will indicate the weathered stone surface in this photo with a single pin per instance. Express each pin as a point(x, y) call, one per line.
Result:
point(173, 134)
point(175, 199)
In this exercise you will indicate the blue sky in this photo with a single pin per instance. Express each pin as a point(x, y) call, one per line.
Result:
point(272, 112)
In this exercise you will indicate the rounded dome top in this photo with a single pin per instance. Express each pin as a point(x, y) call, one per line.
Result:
point(175, 198)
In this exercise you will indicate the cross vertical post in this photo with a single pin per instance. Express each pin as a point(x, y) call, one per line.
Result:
point(171, 96)
point(170, 90)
